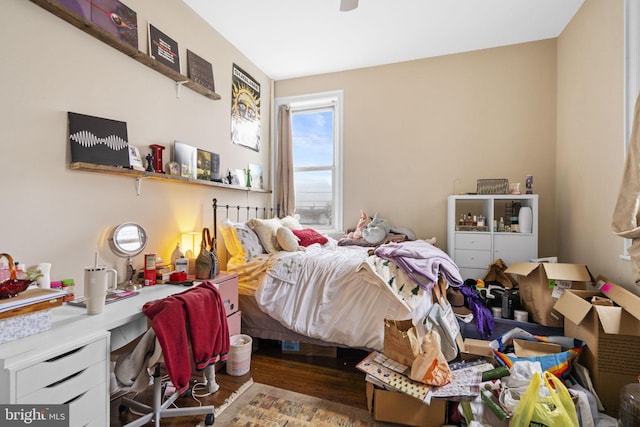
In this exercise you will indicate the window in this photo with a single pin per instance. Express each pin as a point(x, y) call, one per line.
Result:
point(317, 157)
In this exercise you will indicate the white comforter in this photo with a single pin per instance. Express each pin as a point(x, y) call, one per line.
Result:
point(337, 294)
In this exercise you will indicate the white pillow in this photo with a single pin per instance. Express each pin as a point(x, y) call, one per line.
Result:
point(266, 231)
point(287, 240)
point(291, 223)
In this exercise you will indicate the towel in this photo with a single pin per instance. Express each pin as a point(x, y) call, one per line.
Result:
point(197, 313)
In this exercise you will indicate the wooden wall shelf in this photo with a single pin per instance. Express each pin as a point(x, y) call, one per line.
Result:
point(92, 29)
point(140, 175)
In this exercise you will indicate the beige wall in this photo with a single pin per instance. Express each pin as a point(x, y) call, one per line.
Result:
point(413, 130)
point(48, 67)
point(590, 151)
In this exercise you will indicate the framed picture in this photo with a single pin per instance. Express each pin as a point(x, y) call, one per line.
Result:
point(163, 48)
point(97, 140)
point(237, 177)
point(200, 71)
point(215, 167)
point(256, 176)
point(134, 158)
point(203, 165)
point(117, 19)
point(186, 156)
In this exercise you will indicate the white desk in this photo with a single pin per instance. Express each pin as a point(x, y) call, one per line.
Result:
point(69, 363)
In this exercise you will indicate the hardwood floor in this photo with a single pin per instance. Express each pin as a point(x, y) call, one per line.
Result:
point(335, 379)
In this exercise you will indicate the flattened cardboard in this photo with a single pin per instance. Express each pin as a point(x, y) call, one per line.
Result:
point(541, 284)
point(612, 335)
point(524, 348)
point(400, 408)
point(477, 347)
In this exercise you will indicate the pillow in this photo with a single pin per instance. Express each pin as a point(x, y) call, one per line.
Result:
point(240, 241)
point(287, 240)
point(309, 236)
point(291, 223)
point(266, 231)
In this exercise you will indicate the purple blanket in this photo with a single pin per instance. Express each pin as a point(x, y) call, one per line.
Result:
point(422, 262)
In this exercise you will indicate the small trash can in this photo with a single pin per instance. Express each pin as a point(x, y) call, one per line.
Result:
point(239, 357)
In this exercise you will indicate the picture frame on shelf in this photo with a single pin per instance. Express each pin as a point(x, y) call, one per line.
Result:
point(238, 177)
point(200, 71)
point(163, 48)
point(186, 156)
point(203, 165)
point(215, 167)
point(257, 180)
point(117, 19)
point(134, 158)
point(98, 140)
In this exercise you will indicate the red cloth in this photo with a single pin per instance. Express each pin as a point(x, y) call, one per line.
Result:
point(197, 313)
point(309, 236)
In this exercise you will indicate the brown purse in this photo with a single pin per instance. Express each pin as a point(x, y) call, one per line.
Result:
point(207, 266)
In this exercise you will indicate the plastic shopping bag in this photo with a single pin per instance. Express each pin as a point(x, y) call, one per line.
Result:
point(430, 367)
point(546, 402)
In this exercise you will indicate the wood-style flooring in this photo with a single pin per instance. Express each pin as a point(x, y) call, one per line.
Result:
point(336, 379)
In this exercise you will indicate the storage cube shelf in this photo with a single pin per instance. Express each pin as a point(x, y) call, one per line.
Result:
point(472, 249)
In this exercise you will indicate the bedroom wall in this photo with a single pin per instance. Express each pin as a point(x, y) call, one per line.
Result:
point(52, 214)
point(590, 151)
point(416, 132)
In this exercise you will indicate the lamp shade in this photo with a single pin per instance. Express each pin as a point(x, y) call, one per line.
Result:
point(190, 244)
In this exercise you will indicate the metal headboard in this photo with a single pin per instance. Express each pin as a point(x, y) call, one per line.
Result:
point(248, 210)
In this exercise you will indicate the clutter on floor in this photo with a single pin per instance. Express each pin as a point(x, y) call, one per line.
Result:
point(559, 351)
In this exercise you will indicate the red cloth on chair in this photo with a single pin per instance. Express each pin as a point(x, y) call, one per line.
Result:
point(197, 313)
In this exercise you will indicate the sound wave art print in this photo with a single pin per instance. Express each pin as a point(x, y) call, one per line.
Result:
point(97, 140)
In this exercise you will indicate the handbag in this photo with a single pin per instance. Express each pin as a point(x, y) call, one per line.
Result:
point(207, 266)
point(442, 319)
point(401, 342)
point(553, 409)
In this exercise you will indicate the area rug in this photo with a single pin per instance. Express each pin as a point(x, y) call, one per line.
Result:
point(257, 404)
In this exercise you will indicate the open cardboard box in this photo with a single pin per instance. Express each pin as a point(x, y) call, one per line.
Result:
point(542, 283)
point(396, 407)
point(612, 335)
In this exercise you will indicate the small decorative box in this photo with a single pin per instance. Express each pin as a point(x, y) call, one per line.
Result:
point(493, 186)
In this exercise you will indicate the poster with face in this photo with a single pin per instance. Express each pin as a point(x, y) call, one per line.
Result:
point(245, 109)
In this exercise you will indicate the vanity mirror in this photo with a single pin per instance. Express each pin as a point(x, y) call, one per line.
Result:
point(128, 240)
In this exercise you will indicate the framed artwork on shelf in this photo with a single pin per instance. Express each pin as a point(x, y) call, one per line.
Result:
point(200, 71)
point(117, 19)
point(163, 48)
point(186, 156)
point(134, 158)
point(215, 167)
point(204, 165)
point(237, 177)
point(257, 181)
point(97, 140)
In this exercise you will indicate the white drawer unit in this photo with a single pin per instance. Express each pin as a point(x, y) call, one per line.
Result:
point(75, 372)
point(474, 248)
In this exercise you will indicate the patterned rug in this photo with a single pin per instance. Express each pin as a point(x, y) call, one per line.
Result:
point(257, 405)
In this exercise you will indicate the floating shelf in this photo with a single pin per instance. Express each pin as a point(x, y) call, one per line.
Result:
point(140, 175)
point(99, 33)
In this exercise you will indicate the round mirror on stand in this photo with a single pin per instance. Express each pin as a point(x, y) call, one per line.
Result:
point(128, 240)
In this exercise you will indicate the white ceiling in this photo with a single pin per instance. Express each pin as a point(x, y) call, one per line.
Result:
point(295, 38)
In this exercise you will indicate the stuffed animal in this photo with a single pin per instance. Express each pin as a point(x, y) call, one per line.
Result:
point(362, 223)
point(376, 231)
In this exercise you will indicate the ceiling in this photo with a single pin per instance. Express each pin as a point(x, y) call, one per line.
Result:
point(296, 38)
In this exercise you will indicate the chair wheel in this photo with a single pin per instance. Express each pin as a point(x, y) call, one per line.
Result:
point(209, 419)
point(123, 409)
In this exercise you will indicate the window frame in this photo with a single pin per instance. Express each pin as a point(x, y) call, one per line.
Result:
point(318, 101)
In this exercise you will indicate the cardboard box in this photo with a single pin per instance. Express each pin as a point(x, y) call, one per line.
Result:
point(475, 347)
point(400, 408)
point(305, 349)
point(612, 335)
point(542, 283)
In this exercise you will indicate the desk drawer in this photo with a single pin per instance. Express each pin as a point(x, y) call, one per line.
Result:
point(90, 408)
point(69, 388)
point(234, 322)
point(48, 372)
point(476, 241)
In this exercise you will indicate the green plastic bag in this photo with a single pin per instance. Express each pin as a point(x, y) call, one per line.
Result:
point(546, 402)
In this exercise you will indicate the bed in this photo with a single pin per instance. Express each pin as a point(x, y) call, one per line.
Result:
point(308, 288)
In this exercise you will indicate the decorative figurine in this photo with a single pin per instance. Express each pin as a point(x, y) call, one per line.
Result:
point(149, 163)
point(248, 173)
point(229, 178)
point(157, 157)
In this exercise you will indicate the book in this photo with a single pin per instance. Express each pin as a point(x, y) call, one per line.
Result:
point(109, 298)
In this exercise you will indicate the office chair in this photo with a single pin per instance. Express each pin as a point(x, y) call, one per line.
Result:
point(188, 326)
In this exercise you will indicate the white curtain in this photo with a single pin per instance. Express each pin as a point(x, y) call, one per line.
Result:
point(285, 190)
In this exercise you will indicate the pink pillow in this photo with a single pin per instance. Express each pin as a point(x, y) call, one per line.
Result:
point(309, 236)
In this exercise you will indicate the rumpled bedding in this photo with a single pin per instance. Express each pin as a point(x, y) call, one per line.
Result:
point(338, 294)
